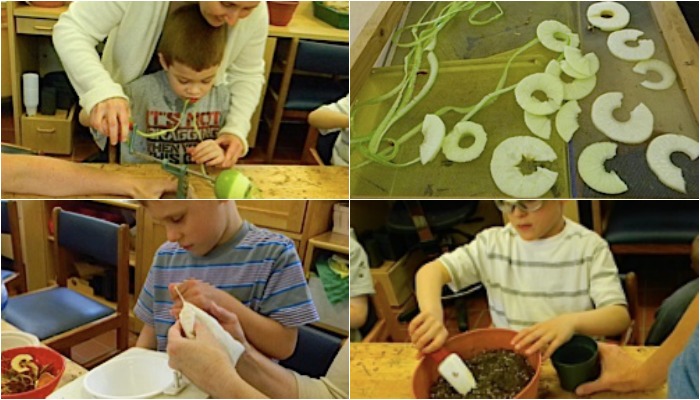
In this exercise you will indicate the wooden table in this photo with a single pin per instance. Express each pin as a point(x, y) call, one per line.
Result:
point(385, 370)
point(273, 181)
point(73, 370)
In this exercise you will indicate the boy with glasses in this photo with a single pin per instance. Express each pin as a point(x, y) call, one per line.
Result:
point(545, 276)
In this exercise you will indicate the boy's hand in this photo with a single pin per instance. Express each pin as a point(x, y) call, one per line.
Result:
point(546, 336)
point(234, 148)
point(428, 333)
point(229, 321)
point(199, 293)
point(207, 152)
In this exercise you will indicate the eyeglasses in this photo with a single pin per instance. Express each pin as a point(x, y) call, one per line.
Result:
point(527, 206)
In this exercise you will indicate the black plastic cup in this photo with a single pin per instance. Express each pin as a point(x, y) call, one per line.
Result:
point(576, 362)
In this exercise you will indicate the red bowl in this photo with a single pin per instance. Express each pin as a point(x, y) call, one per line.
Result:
point(468, 345)
point(43, 356)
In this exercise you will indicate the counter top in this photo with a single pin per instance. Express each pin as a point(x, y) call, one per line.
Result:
point(273, 181)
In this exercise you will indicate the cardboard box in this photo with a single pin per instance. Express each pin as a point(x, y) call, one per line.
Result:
point(398, 277)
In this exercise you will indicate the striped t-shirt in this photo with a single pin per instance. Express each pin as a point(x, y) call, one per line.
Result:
point(258, 267)
point(533, 281)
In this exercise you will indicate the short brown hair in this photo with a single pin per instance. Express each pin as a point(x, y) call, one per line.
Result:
point(189, 39)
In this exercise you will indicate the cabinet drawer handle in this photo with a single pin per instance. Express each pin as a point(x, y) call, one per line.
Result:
point(46, 130)
point(43, 28)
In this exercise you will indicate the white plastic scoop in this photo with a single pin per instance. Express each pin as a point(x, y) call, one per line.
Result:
point(454, 370)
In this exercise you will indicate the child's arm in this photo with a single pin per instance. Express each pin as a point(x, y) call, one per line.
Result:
point(266, 334)
point(549, 335)
point(358, 311)
point(427, 330)
point(324, 118)
point(147, 338)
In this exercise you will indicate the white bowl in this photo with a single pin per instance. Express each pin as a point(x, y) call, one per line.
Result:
point(10, 340)
point(131, 377)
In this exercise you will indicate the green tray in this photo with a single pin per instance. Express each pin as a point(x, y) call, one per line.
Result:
point(459, 83)
point(471, 61)
point(333, 17)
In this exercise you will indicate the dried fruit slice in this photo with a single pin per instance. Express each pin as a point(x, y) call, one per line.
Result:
point(591, 167)
point(539, 125)
point(659, 158)
point(550, 85)
point(668, 76)
point(576, 89)
point(505, 167)
point(555, 36)
point(617, 43)
point(635, 130)
point(585, 65)
point(566, 120)
point(608, 16)
point(451, 148)
point(433, 133)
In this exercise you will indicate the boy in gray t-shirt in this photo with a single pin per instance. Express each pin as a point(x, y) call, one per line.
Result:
point(178, 112)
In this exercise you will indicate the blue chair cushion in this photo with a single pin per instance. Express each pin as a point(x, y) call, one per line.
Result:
point(8, 264)
point(307, 93)
point(6, 273)
point(5, 217)
point(73, 228)
point(314, 353)
point(48, 313)
point(652, 222)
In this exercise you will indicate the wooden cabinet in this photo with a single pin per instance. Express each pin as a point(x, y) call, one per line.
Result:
point(300, 220)
point(29, 30)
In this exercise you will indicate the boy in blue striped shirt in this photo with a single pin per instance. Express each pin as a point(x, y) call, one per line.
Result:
point(211, 247)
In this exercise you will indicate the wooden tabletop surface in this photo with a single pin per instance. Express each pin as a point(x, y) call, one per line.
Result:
point(73, 370)
point(273, 181)
point(385, 370)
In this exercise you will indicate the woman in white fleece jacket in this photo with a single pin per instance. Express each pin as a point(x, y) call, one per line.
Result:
point(132, 29)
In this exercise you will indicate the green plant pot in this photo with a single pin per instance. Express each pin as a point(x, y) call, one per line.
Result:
point(576, 362)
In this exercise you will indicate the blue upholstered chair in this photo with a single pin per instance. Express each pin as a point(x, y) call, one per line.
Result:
point(314, 353)
point(647, 226)
point(320, 76)
point(62, 318)
point(13, 269)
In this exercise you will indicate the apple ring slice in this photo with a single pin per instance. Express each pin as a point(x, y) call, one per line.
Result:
point(617, 43)
point(668, 76)
point(633, 131)
point(451, 148)
point(505, 167)
point(591, 167)
point(608, 16)
point(550, 85)
point(659, 158)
